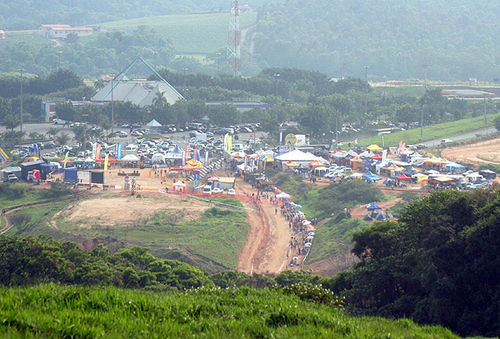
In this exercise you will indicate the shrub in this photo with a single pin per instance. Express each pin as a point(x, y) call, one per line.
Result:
point(314, 293)
point(13, 190)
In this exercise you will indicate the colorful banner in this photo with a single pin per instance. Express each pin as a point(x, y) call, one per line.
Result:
point(106, 159)
point(194, 153)
point(119, 151)
point(206, 159)
point(228, 143)
point(65, 159)
point(98, 152)
point(36, 149)
point(3, 155)
point(184, 158)
point(198, 156)
point(186, 155)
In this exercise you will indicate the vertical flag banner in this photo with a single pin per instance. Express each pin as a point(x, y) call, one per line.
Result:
point(356, 141)
point(206, 158)
point(3, 155)
point(119, 151)
point(198, 156)
point(228, 142)
point(195, 152)
point(98, 152)
point(184, 158)
point(36, 149)
point(106, 159)
point(65, 159)
point(186, 155)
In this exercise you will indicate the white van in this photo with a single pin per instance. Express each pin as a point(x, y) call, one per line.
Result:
point(207, 189)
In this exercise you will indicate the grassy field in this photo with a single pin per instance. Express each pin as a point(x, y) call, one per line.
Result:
point(217, 236)
point(333, 237)
point(60, 311)
point(192, 33)
point(438, 131)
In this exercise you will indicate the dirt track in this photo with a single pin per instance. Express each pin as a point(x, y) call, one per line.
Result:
point(267, 244)
point(483, 152)
point(112, 209)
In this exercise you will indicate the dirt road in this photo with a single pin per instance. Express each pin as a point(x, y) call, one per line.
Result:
point(483, 152)
point(267, 244)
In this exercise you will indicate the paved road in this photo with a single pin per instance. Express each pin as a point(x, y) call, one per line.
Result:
point(486, 131)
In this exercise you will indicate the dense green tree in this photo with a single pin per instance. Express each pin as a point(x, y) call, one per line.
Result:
point(10, 121)
point(436, 264)
point(497, 123)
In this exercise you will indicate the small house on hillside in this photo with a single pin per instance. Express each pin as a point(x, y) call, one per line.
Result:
point(63, 31)
point(2, 34)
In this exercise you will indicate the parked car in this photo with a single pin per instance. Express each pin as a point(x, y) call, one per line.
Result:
point(207, 189)
point(231, 191)
point(12, 178)
point(217, 190)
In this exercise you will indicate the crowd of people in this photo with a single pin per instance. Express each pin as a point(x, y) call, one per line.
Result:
point(301, 235)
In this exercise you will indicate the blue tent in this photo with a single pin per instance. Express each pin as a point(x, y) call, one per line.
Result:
point(381, 217)
point(177, 150)
point(373, 206)
point(371, 177)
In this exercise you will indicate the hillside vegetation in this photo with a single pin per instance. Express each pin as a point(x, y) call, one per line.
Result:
point(26, 14)
point(217, 313)
point(396, 39)
point(437, 264)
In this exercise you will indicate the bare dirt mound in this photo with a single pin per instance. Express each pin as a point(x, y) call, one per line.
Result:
point(112, 210)
point(483, 152)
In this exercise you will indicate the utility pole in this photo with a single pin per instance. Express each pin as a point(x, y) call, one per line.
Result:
point(112, 104)
point(422, 123)
point(485, 120)
point(21, 98)
point(276, 77)
point(366, 93)
point(59, 59)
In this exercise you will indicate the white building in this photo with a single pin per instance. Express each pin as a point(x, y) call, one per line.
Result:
point(139, 92)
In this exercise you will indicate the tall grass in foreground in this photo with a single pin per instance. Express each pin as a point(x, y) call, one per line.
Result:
point(82, 312)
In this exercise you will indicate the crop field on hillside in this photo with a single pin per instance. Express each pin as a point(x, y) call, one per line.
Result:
point(193, 33)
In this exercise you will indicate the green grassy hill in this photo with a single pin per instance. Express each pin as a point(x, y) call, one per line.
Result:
point(438, 131)
point(211, 241)
point(190, 33)
point(60, 311)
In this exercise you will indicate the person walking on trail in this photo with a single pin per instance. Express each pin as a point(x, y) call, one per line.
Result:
point(275, 211)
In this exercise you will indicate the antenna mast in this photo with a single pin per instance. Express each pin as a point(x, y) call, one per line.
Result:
point(234, 38)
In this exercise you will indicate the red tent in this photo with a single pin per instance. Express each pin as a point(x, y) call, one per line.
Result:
point(376, 157)
point(403, 177)
point(110, 159)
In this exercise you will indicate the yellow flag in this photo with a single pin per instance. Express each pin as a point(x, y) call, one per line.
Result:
point(229, 143)
point(65, 159)
point(106, 162)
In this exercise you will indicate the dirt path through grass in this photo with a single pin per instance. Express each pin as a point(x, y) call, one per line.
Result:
point(267, 244)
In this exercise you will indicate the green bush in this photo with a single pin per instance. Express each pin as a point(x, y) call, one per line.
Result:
point(314, 293)
point(13, 190)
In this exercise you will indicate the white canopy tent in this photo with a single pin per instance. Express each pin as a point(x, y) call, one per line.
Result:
point(300, 157)
point(131, 158)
